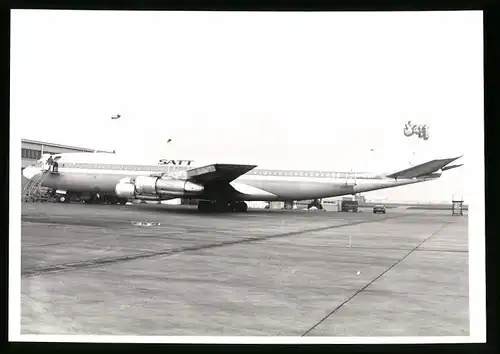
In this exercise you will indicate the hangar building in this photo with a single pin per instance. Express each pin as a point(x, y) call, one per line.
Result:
point(32, 150)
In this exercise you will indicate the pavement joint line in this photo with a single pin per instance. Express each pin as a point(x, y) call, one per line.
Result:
point(53, 244)
point(398, 293)
point(372, 281)
point(407, 249)
point(143, 255)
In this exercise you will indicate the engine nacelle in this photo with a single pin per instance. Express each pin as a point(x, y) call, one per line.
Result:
point(125, 190)
point(147, 185)
point(170, 186)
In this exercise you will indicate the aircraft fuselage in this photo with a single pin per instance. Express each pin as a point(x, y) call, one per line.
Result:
point(256, 185)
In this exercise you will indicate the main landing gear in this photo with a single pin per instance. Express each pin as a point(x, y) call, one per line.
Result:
point(218, 206)
point(315, 203)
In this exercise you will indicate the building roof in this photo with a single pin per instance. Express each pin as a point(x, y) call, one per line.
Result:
point(45, 143)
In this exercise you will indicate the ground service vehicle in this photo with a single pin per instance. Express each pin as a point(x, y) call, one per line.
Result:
point(379, 209)
point(350, 205)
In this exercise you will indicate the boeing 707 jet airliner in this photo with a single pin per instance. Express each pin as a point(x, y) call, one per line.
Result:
point(218, 186)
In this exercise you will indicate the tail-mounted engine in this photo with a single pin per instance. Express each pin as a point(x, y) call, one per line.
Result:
point(156, 186)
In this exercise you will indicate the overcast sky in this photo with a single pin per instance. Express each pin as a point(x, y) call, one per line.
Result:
point(296, 89)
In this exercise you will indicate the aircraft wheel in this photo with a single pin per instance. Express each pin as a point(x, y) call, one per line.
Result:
point(241, 207)
point(123, 201)
point(234, 206)
point(205, 206)
point(222, 206)
point(62, 199)
point(113, 200)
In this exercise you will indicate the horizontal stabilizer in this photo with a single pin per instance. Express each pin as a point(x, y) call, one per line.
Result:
point(425, 168)
point(218, 172)
point(446, 168)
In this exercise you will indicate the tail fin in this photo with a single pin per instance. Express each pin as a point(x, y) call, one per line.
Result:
point(426, 168)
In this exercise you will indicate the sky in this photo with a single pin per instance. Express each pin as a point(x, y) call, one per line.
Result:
point(301, 90)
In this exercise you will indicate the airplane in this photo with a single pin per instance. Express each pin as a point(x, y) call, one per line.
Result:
point(224, 187)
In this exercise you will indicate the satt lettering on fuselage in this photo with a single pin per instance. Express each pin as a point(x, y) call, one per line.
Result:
point(175, 162)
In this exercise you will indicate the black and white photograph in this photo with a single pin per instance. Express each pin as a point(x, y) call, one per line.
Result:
point(247, 177)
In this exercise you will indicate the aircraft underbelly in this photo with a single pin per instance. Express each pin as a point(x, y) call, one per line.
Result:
point(301, 189)
point(83, 182)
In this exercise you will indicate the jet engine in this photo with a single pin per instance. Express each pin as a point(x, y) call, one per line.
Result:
point(148, 185)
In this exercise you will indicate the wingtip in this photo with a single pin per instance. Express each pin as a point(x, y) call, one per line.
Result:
point(452, 159)
point(459, 157)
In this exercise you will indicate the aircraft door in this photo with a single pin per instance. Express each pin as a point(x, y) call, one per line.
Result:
point(350, 179)
point(45, 162)
point(55, 164)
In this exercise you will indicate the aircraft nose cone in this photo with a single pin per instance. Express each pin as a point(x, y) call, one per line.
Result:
point(30, 171)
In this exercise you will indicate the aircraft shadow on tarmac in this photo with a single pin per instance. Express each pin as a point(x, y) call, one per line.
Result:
point(192, 209)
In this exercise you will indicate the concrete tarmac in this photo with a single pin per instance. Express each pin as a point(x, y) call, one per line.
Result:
point(100, 269)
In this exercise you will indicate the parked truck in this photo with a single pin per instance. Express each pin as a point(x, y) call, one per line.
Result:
point(350, 205)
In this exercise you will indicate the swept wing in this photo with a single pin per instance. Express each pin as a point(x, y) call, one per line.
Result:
point(425, 168)
point(218, 173)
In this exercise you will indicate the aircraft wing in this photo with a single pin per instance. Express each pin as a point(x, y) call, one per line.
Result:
point(425, 168)
point(218, 172)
